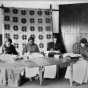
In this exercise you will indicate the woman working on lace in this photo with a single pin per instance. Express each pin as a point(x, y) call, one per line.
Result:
point(80, 68)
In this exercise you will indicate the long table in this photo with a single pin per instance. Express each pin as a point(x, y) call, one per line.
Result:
point(40, 62)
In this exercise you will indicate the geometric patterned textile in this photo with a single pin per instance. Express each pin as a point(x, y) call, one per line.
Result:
point(20, 24)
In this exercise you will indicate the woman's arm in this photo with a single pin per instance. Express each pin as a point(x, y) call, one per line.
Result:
point(14, 51)
point(84, 53)
point(24, 49)
point(49, 46)
point(4, 49)
point(1, 50)
point(37, 49)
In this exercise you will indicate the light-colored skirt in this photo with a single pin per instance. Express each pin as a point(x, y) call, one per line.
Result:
point(50, 71)
point(80, 71)
point(31, 72)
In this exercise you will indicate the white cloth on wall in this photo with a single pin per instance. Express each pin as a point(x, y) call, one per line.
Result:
point(31, 72)
point(80, 71)
point(50, 71)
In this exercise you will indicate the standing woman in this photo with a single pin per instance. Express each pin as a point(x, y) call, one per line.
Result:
point(54, 45)
point(80, 68)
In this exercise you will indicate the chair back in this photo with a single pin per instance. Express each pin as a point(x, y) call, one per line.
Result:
point(76, 48)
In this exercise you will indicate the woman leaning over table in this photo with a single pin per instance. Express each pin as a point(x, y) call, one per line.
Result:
point(80, 68)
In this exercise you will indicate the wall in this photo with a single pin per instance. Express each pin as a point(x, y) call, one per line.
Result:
point(46, 5)
point(0, 26)
point(28, 4)
point(34, 4)
point(73, 24)
point(40, 4)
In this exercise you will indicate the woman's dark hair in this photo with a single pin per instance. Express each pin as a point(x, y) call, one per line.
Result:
point(9, 40)
point(30, 38)
point(54, 36)
point(83, 40)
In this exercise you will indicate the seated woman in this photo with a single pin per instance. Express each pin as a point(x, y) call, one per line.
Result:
point(50, 71)
point(54, 46)
point(8, 48)
point(80, 68)
point(31, 47)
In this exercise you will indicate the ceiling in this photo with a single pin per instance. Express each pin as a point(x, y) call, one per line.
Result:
point(45, 0)
point(48, 1)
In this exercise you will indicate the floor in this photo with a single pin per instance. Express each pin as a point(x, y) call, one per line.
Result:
point(59, 82)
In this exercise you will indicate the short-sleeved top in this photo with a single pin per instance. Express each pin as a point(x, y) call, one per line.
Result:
point(9, 50)
point(32, 48)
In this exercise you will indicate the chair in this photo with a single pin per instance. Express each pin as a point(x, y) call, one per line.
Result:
point(76, 48)
point(75, 51)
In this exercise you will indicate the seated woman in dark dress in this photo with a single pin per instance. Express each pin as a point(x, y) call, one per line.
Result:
point(8, 48)
point(54, 46)
point(51, 71)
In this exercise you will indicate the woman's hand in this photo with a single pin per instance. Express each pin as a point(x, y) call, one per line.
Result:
point(4, 52)
point(59, 51)
point(28, 53)
point(51, 49)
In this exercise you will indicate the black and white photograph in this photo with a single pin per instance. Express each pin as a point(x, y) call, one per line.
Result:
point(43, 44)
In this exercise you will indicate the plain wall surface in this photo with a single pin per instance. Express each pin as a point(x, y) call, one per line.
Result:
point(73, 24)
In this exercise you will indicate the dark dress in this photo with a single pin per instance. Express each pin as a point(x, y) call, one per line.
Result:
point(8, 73)
point(9, 50)
point(54, 46)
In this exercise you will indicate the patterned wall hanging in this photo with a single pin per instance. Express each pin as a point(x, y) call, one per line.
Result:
point(20, 24)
